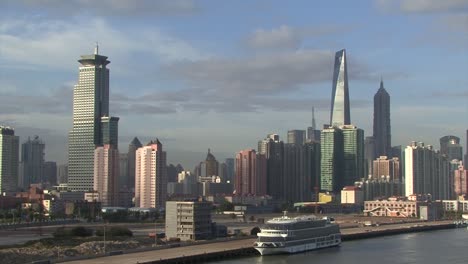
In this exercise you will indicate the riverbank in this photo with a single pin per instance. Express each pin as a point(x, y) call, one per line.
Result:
point(230, 249)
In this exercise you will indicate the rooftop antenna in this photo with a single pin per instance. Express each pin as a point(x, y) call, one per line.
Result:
point(96, 49)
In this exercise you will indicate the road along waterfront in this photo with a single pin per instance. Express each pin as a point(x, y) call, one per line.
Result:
point(200, 253)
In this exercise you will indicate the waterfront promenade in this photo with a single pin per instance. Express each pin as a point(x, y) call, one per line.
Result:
point(238, 245)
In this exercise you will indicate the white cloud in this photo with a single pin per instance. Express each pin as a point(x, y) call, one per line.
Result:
point(424, 6)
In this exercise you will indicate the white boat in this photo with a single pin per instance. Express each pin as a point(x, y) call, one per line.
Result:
point(290, 235)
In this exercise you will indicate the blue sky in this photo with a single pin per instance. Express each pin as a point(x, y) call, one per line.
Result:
point(223, 74)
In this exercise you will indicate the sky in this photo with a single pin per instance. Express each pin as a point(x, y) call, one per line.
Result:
point(224, 74)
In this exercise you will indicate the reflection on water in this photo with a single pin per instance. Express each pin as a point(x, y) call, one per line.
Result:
point(445, 246)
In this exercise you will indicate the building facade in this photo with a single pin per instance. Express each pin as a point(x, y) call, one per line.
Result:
point(340, 113)
point(387, 169)
point(296, 137)
point(32, 162)
point(313, 134)
point(250, 173)
point(382, 127)
point(188, 220)
point(132, 148)
point(461, 181)
point(90, 104)
point(369, 155)
point(353, 154)
point(450, 146)
point(331, 160)
point(9, 157)
point(106, 174)
point(62, 174)
point(212, 165)
point(150, 176)
point(50, 173)
point(426, 172)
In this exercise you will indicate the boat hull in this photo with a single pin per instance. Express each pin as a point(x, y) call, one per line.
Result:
point(263, 250)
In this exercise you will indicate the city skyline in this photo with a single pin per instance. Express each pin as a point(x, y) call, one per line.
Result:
point(182, 74)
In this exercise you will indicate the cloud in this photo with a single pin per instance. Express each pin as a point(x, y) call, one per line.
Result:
point(424, 6)
point(131, 8)
point(55, 44)
point(289, 37)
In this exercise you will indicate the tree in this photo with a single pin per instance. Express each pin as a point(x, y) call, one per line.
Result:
point(226, 206)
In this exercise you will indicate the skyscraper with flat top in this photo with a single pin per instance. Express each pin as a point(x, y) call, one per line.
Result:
point(9, 154)
point(382, 129)
point(90, 104)
point(340, 114)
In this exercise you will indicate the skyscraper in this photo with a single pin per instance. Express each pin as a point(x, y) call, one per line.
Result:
point(331, 159)
point(466, 150)
point(62, 174)
point(90, 104)
point(9, 154)
point(273, 149)
point(450, 146)
point(386, 169)
point(230, 169)
point(296, 137)
point(369, 154)
point(353, 154)
point(382, 129)
point(132, 148)
point(340, 114)
point(50, 173)
point(32, 162)
point(426, 172)
point(150, 176)
point(313, 134)
point(106, 174)
point(250, 173)
point(212, 165)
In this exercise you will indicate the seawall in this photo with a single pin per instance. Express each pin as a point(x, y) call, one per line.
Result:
point(347, 235)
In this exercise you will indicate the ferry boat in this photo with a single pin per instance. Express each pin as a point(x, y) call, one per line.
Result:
point(302, 233)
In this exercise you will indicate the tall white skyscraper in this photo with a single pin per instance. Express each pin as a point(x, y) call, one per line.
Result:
point(9, 155)
point(90, 109)
point(150, 176)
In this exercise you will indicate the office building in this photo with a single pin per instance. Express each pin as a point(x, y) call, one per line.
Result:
point(188, 220)
point(32, 162)
point(369, 155)
point(132, 147)
point(230, 169)
point(353, 154)
point(106, 174)
point(386, 169)
point(212, 165)
point(426, 172)
point(50, 173)
point(296, 137)
point(123, 170)
point(250, 173)
point(331, 160)
point(62, 174)
point(313, 134)
point(150, 176)
point(9, 157)
point(273, 149)
point(450, 146)
point(382, 128)
point(92, 125)
point(340, 113)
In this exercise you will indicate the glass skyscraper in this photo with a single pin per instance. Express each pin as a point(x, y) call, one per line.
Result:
point(340, 114)
point(90, 104)
point(331, 159)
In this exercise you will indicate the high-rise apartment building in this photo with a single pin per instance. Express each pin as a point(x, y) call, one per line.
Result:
point(132, 148)
point(106, 174)
point(331, 160)
point(230, 169)
point(461, 181)
point(386, 169)
point(353, 154)
point(123, 170)
point(340, 113)
point(32, 162)
point(62, 174)
point(150, 176)
point(426, 172)
point(273, 149)
point(9, 156)
point(296, 137)
point(90, 120)
point(382, 128)
point(250, 173)
point(450, 146)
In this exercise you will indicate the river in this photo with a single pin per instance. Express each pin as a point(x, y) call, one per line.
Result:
point(434, 247)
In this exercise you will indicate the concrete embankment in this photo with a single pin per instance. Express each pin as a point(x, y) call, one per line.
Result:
point(238, 248)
